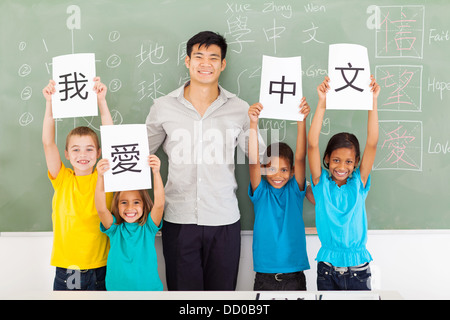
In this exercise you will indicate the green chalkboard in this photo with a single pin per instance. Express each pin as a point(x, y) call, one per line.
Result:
point(139, 47)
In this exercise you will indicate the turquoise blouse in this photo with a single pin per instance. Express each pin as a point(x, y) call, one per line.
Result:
point(132, 262)
point(341, 220)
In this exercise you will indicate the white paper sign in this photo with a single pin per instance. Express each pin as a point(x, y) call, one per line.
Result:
point(349, 72)
point(74, 96)
point(281, 88)
point(126, 148)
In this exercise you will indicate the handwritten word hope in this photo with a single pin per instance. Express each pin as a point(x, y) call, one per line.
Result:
point(438, 86)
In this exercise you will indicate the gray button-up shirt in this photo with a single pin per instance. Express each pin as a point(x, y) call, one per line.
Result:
point(201, 186)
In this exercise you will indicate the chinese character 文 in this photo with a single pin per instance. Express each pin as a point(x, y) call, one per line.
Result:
point(78, 89)
point(126, 157)
point(349, 83)
point(282, 91)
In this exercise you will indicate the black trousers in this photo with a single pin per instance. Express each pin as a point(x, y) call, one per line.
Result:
point(201, 257)
point(280, 281)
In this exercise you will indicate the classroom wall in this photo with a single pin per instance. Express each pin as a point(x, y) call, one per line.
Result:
point(413, 263)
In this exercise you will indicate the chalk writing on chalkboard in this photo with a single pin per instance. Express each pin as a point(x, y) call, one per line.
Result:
point(26, 118)
point(401, 32)
point(238, 31)
point(312, 33)
point(400, 146)
point(152, 53)
point(402, 87)
point(273, 33)
point(151, 89)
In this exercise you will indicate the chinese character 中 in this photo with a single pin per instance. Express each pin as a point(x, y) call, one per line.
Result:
point(282, 91)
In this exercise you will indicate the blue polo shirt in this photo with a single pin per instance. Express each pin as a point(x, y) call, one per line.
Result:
point(279, 241)
point(341, 220)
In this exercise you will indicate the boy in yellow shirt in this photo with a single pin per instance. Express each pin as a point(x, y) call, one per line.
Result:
point(80, 249)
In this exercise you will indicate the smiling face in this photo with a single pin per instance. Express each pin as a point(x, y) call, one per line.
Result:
point(82, 152)
point(130, 206)
point(205, 64)
point(278, 172)
point(341, 164)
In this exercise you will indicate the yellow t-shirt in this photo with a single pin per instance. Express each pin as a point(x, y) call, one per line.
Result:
point(78, 242)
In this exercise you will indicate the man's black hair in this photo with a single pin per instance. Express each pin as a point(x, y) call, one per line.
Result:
point(207, 38)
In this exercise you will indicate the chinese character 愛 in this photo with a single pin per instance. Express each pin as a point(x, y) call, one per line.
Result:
point(127, 157)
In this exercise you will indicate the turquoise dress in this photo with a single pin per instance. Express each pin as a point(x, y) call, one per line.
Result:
point(132, 263)
point(341, 220)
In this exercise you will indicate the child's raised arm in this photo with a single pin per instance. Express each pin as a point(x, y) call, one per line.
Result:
point(52, 156)
point(300, 151)
point(100, 198)
point(158, 190)
point(253, 146)
point(101, 90)
point(315, 163)
point(372, 135)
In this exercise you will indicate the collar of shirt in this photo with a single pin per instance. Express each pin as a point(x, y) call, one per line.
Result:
point(223, 97)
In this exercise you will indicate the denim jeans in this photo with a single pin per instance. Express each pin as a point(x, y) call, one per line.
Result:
point(351, 278)
point(280, 281)
point(90, 279)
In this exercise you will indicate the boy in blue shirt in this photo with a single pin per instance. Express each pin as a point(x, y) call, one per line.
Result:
point(279, 241)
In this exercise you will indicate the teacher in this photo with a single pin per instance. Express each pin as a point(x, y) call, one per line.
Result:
point(199, 125)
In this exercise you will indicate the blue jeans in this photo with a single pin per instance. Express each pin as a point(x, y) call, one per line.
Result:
point(351, 278)
point(90, 279)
